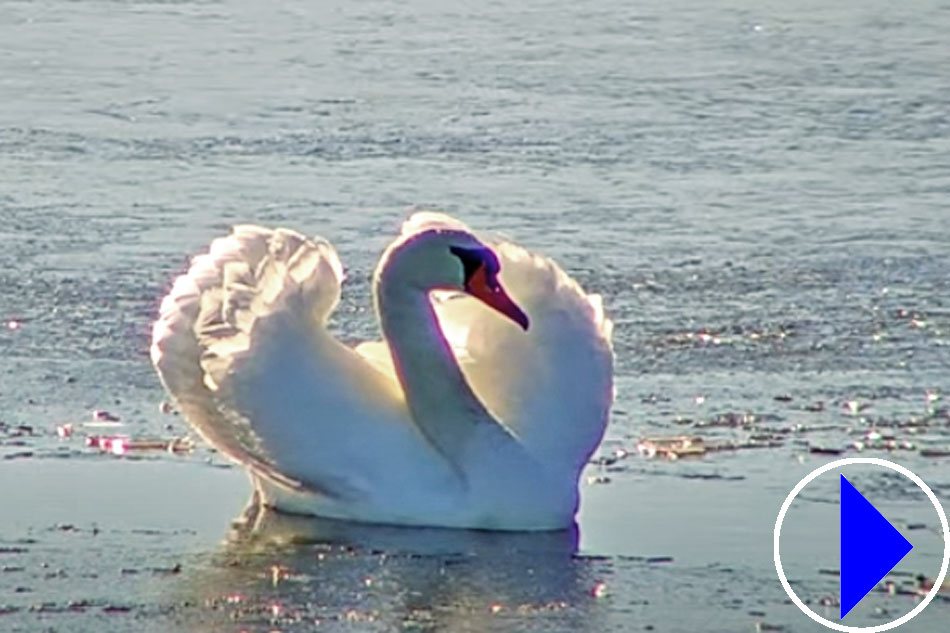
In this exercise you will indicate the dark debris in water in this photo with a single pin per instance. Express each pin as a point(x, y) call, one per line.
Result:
point(13, 550)
point(18, 455)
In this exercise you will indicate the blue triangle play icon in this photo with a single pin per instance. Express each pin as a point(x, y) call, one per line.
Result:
point(870, 547)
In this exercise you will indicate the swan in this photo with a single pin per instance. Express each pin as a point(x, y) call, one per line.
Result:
point(479, 409)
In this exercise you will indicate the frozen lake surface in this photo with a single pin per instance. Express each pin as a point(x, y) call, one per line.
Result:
point(759, 190)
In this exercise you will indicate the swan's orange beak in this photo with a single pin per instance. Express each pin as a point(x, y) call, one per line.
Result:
point(493, 295)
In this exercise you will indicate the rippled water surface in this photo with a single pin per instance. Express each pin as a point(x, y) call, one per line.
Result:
point(758, 189)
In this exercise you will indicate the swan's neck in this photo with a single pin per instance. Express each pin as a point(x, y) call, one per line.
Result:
point(439, 398)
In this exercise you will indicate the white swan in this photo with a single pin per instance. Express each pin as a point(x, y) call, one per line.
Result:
point(478, 410)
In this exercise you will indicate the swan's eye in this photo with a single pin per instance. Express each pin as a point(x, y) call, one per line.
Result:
point(476, 259)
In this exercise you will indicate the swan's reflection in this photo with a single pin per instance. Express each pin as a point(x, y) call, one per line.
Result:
point(291, 571)
point(263, 526)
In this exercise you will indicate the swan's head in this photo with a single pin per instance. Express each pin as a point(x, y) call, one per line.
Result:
point(446, 259)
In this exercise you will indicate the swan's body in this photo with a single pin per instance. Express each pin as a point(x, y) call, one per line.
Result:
point(461, 418)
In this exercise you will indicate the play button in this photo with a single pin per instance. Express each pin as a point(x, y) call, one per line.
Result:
point(870, 547)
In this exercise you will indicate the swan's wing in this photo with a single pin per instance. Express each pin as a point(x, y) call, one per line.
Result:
point(241, 345)
point(552, 385)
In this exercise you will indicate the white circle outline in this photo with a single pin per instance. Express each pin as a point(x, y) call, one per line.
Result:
point(850, 461)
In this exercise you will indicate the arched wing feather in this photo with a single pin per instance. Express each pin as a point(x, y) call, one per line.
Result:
point(265, 295)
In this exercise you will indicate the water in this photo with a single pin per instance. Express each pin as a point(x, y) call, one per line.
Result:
point(773, 177)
